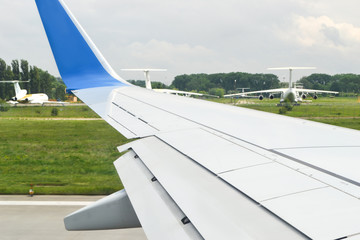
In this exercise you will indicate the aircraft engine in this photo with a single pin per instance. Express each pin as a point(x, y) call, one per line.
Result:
point(261, 97)
point(271, 96)
point(315, 97)
point(303, 96)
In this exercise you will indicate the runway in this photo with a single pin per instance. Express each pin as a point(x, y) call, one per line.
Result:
point(41, 217)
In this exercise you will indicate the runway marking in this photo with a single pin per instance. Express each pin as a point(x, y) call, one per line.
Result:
point(43, 203)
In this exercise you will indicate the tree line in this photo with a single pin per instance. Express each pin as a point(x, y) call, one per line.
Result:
point(214, 84)
point(218, 83)
point(40, 81)
point(222, 83)
point(345, 83)
point(154, 85)
point(233, 82)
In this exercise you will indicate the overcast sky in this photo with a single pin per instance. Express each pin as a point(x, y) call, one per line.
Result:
point(198, 36)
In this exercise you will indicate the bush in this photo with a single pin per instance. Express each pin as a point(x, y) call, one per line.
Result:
point(54, 112)
point(4, 106)
point(282, 110)
point(217, 92)
point(286, 106)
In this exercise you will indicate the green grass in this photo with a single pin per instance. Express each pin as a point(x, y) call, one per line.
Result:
point(339, 111)
point(58, 157)
point(68, 111)
point(313, 110)
point(346, 122)
point(76, 157)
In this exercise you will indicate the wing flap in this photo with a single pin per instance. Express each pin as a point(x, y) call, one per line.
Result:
point(212, 206)
point(322, 214)
point(160, 217)
point(279, 183)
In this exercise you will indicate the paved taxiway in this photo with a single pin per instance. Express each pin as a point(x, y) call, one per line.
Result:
point(41, 217)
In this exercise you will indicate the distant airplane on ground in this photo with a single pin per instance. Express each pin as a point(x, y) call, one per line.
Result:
point(168, 91)
point(293, 94)
point(21, 95)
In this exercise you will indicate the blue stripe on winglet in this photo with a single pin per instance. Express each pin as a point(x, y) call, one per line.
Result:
point(77, 63)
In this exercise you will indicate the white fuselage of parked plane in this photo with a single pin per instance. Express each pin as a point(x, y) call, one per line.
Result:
point(291, 95)
point(39, 98)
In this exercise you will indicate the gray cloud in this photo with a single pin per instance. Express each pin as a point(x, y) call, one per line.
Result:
point(332, 34)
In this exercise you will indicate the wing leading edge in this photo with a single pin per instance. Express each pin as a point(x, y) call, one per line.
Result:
point(209, 171)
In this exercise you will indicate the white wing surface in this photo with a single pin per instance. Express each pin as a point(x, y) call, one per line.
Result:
point(274, 91)
point(184, 93)
point(315, 91)
point(202, 170)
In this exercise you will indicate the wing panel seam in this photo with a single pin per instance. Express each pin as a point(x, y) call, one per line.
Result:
point(121, 125)
point(316, 168)
point(294, 193)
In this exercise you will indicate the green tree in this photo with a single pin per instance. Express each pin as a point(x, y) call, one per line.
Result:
point(25, 74)
point(16, 70)
point(9, 88)
point(2, 77)
point(217, 92)
point(316, 81)
point(159, 85)
point(140, 83)
point(60, 92)
point(45, 82)
point(228, 81)
point(35, 80)
point(198, 83)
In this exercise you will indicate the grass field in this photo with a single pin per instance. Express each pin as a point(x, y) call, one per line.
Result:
point(340, 111)
point(76, 157)
point(58, 157)
point(70, 111)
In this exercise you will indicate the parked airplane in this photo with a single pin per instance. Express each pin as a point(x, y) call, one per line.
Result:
point(204, 170)
point(292, 94)
point(21, 95)
point(164, 90)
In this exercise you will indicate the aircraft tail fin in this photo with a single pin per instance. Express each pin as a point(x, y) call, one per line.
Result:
point(19, 93)
point(80, 63)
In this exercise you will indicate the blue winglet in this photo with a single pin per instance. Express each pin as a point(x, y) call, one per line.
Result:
point(79, 62)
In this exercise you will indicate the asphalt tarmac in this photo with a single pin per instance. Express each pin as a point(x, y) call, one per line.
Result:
point(41, 217)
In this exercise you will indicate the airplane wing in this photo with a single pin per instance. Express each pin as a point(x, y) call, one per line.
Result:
point(203, 170)
point(314, 91)
point(274, 91)
point(172, 91)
